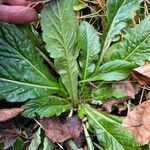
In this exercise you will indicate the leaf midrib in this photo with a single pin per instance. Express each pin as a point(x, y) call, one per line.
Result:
point(137, 47)
point(110, 29)
point(107, 43)
point(86, 64)
point(74, 97)
point(29, 84)
point(32, 65)
point(103, 127)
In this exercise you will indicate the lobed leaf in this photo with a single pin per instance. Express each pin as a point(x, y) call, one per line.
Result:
point(135, 47)
point(23, 75)
point(46, 107)
point(59, 25)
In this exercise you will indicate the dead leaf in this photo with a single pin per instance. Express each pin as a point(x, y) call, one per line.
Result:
point(148, 96)
point(59, 130)
point(142, 74)
point(7, 114)
point(8, 135)
point(102, 3)
point(125, 86)
point(110, 103)
point(138, 122)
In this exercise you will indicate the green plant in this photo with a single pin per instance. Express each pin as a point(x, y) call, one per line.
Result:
point(81, 58)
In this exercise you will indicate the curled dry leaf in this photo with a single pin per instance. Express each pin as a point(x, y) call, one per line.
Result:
point(7, 114)
point(142, 74)
point(138, 122)
point(8, 135)
point(59, 130)
point(125, 86)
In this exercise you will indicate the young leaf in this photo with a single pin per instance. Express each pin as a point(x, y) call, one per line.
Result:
point(23, 75)
point(109, 132)
point(59, 27)
point(48, 144)
point(112, 71)
point(79, 6)
point(90, 48)
point(19, 144)
point(118, 13)
point(36, 140)
point(46, 107)
point(136, 46)
point(107, 92)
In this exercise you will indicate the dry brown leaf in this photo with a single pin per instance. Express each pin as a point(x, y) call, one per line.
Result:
point(125, 86)
point(59, 130)
point(7, 114)
point(110, 103)
point(138, 122)
point(148, 96)
point(102, 3)
point(8, 135)
point(142, 74)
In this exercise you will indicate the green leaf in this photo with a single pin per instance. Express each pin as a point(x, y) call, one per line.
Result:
point(112, 71)
point(135, 47)
point(46, 107)
point(107, 92)
point(48, 145)
point(59, 25)
point(23, 75)
point(36, 141)
point(118, 13)
point(88, 139)
point(109, 132)
point(79, 6)
point(19, 144)
point(90, 48)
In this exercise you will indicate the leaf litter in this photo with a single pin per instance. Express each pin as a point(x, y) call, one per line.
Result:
point(125, 86)
point(142, 74)
point(59, 130)
point(8, 134)
point(7, 114)
point(138, 122)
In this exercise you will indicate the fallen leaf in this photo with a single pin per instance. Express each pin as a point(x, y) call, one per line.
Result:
point(138, 122)
point(148, 96)
point(126, 87)
point(8, 135)
point(110, 103)
point(7, 114)
point(59, 130)
point(142, 74)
